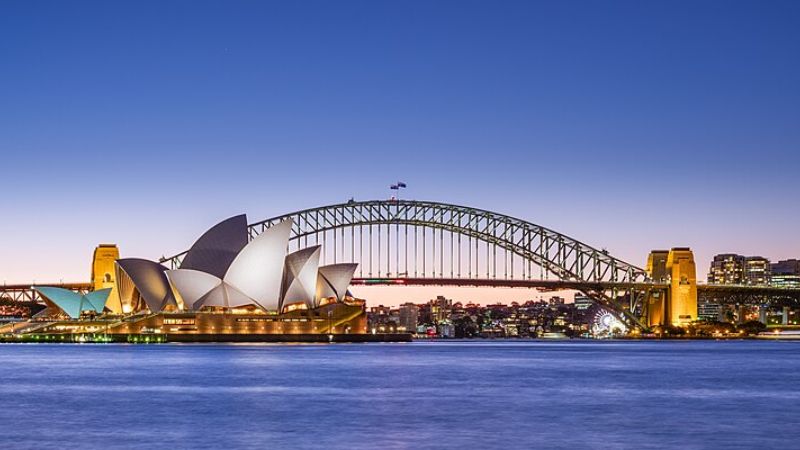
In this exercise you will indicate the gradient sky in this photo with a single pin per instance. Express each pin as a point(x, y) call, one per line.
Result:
point(628, 125)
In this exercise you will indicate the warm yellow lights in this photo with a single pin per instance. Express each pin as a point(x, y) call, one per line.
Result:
point(103, 275)
point(678, 304)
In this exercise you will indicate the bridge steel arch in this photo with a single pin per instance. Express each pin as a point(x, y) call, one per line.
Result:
point(405, 238)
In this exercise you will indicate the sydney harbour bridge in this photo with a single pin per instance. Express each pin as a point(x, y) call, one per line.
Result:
point(407, 242)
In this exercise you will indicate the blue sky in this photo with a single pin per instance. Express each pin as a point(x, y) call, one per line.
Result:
point(627, 125)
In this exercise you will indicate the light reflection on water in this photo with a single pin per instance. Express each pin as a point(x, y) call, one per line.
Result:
point(491, 394)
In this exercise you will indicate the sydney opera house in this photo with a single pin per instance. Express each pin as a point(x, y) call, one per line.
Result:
point(227, 288)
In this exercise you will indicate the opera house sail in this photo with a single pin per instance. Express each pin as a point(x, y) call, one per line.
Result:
point(251, 278)
point(71, 304)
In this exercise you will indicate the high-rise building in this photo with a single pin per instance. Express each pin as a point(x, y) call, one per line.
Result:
point(408, 315)
point(727, 268)
point(785, 273)
point(441, 308)
point(730, 268)
point(756, 271)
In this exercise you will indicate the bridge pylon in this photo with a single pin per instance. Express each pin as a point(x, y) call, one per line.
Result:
point(677, 305)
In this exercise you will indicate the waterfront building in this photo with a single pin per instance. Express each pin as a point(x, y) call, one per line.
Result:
point(731, 268)
point(408, 314)
point(380, 311)
point(785, 280)
point(756, 271)
point(727, 268)
point(441, 308)
point(710, 312)
point(446, 329)
point(786, 273)
point(786, 266)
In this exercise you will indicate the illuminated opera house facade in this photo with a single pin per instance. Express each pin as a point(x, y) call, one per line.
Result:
point(228, 287)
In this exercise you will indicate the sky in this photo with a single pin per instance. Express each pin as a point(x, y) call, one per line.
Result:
point(627, 125)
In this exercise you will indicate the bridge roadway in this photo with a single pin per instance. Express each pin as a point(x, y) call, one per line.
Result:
point(510, 283)
point(744, 293)
point(711, 292)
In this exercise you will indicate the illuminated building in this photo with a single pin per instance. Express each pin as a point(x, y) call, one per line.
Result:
point(785, 280)
point(786, 273)
point(730, 268)
point(727, 268)
point(408, 317)
point(710, 311)
point(441, 308)
point(756, 271)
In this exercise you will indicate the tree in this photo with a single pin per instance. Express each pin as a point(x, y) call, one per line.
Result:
point(674, 331)
point(752, 327)
point(465, 327)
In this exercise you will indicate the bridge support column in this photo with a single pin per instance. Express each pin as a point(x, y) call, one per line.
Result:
point(785, 316)
point(683, 286)
point(762, 314)
point(657, 300)
point(104, 274)
point(675, 267)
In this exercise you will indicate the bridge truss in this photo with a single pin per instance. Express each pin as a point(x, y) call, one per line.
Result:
point(405, 239)
point(28, 293)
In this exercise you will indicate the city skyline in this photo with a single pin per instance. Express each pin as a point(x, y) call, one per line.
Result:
point(629, 127)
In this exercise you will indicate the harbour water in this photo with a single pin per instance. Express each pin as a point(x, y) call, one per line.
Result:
point(454, 394)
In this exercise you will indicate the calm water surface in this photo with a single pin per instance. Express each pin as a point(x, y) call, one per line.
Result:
point(472, 394)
